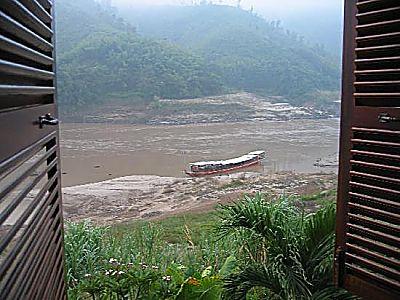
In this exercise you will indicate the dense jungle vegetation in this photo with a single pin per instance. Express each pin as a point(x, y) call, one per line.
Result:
point(191, 52)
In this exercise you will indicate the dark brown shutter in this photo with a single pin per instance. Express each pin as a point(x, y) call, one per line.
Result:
point(31, 245)
point(368, 220)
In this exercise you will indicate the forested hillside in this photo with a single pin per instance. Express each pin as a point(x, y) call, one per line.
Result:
point(183, 52)
point(80, 19)
point(101, 58)
point(252, 54)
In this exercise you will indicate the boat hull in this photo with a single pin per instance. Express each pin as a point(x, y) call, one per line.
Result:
point(224, 171)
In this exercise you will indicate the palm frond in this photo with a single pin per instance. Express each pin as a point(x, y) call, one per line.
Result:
point(267, 219)
point(280, 283)
point(319, 262)
point(296, 249)
point(238, 285)
point(318, 244)
point(319, 225)
point(332, 292)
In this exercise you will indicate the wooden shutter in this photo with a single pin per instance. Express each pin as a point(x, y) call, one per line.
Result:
point(368, 220)
point(31, 245)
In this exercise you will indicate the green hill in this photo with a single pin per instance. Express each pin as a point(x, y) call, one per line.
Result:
point(100, 58)
point(250, 53)
point(182, 52)
point(81, 19)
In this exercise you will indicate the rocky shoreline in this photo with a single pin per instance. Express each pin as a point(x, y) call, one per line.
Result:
point(230, 108)
point(153, 197)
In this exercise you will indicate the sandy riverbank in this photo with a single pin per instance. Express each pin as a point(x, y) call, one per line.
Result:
point(150, 197)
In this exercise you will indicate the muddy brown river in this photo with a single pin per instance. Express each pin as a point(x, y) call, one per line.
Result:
point(96, 152)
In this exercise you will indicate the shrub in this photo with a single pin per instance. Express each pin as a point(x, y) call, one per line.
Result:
point(285, 253)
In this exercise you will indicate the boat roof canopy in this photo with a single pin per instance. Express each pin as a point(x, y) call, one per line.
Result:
point(256, 152)
point(232, 161)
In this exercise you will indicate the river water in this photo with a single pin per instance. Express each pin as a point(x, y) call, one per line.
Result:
point(96, 152)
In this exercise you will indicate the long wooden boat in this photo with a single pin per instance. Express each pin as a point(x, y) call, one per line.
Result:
point(204, 168)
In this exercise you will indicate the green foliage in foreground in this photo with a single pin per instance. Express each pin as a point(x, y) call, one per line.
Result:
point(254, 250)
point(140, 262)
point(287, 253)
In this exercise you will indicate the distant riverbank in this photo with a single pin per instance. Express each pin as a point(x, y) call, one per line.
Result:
point(229, 108)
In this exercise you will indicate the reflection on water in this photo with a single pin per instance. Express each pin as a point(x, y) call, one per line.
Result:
point(94, 152)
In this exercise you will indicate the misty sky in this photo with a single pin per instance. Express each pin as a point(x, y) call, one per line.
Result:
point(269, 8)
point(319, 21)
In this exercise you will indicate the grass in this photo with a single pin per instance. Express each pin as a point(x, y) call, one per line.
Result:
point(180, 247)
point(233, 184)
point(175, 227)
point(321, 198)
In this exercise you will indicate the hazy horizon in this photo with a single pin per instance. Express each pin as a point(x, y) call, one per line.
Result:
point(318, 21)
point(268, 8)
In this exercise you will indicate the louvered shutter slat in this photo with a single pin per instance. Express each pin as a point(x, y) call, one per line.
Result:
point(369, 177)
point(31, 223)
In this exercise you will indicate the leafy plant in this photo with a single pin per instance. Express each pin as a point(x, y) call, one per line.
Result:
point(284, 251)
